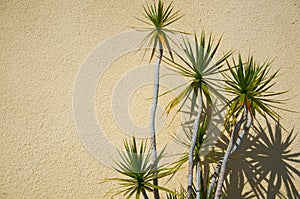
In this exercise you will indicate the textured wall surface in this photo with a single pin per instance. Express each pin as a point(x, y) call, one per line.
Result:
point(44, 43)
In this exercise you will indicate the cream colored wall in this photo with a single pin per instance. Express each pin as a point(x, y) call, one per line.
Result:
point(43, 44)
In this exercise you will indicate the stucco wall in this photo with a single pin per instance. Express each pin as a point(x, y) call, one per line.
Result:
point(44, 43)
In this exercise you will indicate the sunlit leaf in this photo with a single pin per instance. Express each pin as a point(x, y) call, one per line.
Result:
point(252, 83)
point(198, 67)
point(157, 17)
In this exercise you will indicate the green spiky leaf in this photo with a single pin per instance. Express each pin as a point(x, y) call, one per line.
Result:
point(251, 83)
point(158, 17)
point(198, 66)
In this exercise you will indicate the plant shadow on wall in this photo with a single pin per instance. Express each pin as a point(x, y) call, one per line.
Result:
point(266, 163)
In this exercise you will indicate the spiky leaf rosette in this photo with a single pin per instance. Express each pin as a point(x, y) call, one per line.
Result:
point(138, 171)
point(250, 83)
point(198, 66)
point(158, 17)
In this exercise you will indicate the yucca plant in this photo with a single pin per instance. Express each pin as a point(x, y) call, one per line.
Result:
point(249, 85)
point(138, 171)
point(199, 67)
point(157, 17)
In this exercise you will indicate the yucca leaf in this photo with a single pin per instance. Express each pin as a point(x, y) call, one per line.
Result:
point(198, 68)
point(177, 99)
point(137, 170)
point(158, 17)
point(250, 82)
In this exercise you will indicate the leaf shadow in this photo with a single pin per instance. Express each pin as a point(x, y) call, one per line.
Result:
point(264, 166)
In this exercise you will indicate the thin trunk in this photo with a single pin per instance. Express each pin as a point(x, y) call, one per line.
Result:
point(236, 145)
point(225, 160)
point(214, 177)
point(237, 127)
point(152, 116)
point(192, 147)
point(198, 179)
point(145, 194)
point(243, 132)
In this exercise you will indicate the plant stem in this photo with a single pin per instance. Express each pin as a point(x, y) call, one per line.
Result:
point(214, 177)
point(221, 179)
point(152, 116)
point(244, 131)
point(198, 181)
point(192, 147)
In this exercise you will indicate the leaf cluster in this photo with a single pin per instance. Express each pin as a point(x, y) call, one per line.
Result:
point(158, 17)
point(138, 170)
point(198, 66)
point(250, 83)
